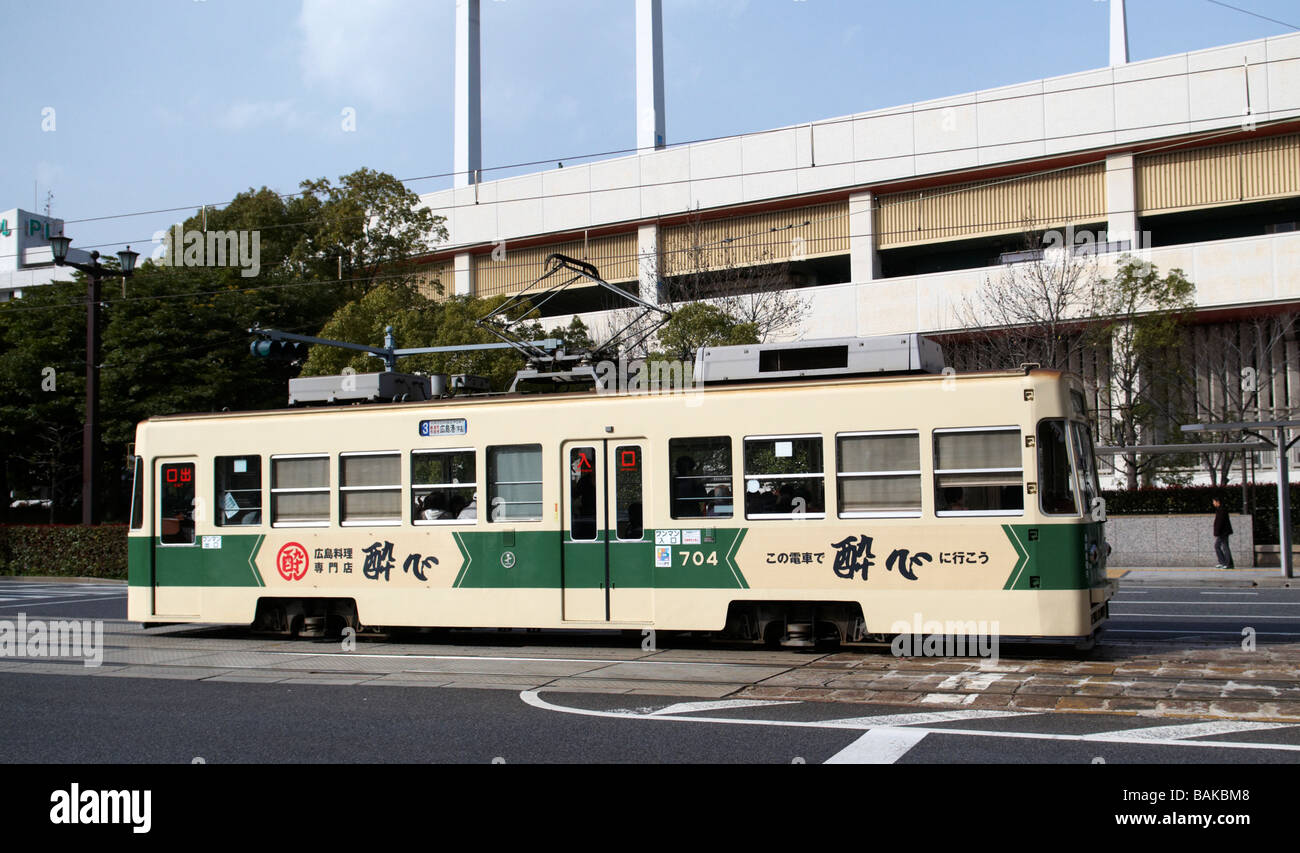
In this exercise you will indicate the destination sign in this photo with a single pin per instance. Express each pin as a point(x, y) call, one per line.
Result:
point(449, 426)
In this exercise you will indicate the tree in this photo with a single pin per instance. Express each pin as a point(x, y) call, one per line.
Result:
point(42, 395)
point(741, 275)
point(1141, 324)
point(175, 337)
point(1035, 310)
point(417, 321)
point(697, 325)
point(370, 224)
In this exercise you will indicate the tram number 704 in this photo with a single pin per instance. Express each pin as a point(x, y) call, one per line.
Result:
point(697, 558)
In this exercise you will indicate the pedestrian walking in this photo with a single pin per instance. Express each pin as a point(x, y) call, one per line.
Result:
point(1222, 530)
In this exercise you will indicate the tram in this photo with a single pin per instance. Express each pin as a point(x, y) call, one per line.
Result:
point(795, 503)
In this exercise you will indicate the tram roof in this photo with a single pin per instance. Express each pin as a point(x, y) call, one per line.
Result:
point(539, 398)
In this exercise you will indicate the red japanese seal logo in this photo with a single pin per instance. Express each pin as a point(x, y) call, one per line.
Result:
point(292, 562)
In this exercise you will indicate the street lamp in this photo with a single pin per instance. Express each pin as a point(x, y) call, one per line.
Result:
point(90, 431)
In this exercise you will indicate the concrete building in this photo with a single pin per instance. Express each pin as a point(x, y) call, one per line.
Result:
point(884, 222)
point(25, 259)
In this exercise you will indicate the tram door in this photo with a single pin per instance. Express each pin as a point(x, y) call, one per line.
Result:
point(607, 561)
point(177, 557)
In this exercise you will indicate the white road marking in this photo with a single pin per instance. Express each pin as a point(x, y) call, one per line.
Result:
point(1191, 730)
point(62, 601)
point(920, 718)
point(969, 681)
point(878, 746)
point(534, 699)
point(1230, 593)
point(1207, 603)
point(721, 704)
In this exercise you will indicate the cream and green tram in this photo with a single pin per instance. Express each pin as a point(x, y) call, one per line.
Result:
point(788, 511)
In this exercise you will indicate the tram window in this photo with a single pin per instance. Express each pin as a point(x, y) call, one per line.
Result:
point(370, 488)
point(978, 472)
point(444, 486)
point(137, 496)
point(514, 480)
point(701, 477)
point(300, 491)
point(1085, 465)
point(582, 494)
point(627, 493)
point(239, 490)
point(879, 473)
point(784, 477)
point(1055, 484)
point(176, 503)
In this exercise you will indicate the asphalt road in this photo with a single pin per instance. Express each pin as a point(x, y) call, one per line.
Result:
point(173, 717)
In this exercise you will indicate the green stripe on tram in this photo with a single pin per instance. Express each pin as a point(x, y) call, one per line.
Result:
point(1051, 556)
point(233, 564)
point(501, 559)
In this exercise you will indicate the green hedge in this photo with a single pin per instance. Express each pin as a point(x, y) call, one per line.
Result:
point(64, 550)
point(1191, 500)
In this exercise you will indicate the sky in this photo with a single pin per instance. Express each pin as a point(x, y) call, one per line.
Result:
point(128, 109)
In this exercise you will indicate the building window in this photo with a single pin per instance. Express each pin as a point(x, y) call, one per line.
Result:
point(784, 477)
point(515, 483)
point(879, 474)
point(701, 477)
point(300, 491)
point(443, 486)
point(978, 471)
point(239, 490)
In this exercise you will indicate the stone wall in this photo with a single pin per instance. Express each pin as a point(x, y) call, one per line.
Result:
point(1174, 540)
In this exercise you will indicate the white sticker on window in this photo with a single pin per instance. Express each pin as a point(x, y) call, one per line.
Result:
point(785, 448)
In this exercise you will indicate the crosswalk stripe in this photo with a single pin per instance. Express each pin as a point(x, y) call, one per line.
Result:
point(878, 746)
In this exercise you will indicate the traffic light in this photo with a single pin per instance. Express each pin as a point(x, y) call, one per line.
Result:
point(278, 350)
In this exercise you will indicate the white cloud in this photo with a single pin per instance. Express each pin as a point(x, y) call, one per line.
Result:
point(378, 52)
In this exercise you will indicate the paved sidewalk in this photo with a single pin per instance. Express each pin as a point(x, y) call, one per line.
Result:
point(1195, 576)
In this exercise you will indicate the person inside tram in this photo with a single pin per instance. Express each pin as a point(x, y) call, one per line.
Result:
point(433, 507)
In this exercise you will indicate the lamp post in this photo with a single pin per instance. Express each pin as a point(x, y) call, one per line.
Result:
point(90, 431)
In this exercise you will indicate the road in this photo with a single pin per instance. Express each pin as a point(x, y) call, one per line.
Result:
point(1173, 682)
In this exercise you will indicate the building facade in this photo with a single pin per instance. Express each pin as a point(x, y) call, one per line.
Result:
point(889, 221)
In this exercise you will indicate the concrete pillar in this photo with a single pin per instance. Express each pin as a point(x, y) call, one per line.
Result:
point(469, 113)
point(647, 240)
point(864, 258)
point(1121, 201)
point(463, 275)
point(1118, 33)
point(650, 131)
